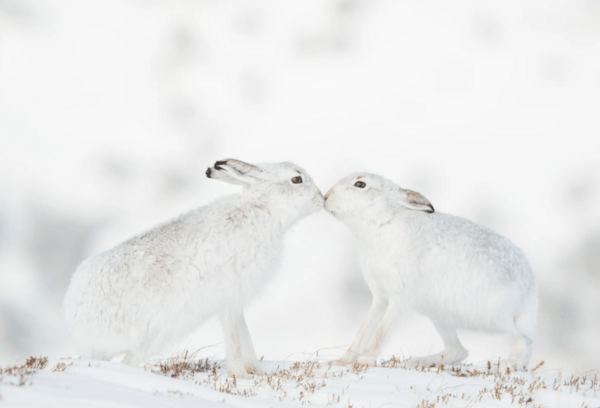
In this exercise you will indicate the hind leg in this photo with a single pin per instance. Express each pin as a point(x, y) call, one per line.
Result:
point(105, 349)
point(132, 359)
point(453, 352)
point(522, 331)
point(520, 355)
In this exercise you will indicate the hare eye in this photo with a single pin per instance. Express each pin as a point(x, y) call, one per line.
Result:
point(360, 184)
point(297, 180)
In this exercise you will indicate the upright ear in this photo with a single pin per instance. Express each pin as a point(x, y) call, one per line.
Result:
point(415, 201)
point(234, 172)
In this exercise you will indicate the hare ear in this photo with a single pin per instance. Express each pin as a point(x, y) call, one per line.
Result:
point(234, 172)
point(416, 201)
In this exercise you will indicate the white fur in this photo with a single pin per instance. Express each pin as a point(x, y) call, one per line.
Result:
point(160, 285)
point(457, 273)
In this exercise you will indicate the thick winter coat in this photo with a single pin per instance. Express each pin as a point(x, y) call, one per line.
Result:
point(162, 284)
point(457, 273)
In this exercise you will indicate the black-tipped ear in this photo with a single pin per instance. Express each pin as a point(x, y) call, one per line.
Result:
point(416, 201)
point(237, 167)
point(219, 163)
point(234, 172)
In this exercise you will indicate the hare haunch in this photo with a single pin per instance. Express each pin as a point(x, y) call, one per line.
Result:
point(457, 273)
point(161, 285)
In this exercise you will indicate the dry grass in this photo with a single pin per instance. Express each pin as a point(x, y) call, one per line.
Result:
point(300, 376)
point(184, 367)
point(19, 375)
point(315, 382)
point(302, 382)
point(61, 367)
point(517, 388)
point(520, 388)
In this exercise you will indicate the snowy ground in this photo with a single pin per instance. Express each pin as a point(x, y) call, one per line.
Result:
point(111, 110)
point(186, 382)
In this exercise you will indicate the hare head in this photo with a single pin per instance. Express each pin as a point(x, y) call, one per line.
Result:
point(369, 196)
point(283, 185)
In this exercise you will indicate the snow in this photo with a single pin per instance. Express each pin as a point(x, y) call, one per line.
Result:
point(111, 110)
point(314, 382)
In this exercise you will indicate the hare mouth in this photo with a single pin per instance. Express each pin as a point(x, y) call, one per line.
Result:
point(330, 211)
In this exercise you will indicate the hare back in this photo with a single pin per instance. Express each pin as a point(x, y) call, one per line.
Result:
point(451, 269)
point(164, 283)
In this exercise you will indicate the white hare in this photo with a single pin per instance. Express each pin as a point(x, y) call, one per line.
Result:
point(457, 273)
point(160, 285)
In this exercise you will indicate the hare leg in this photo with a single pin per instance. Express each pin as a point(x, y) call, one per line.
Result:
point(229, 317)
point(365, 332)
point(131, 358)
point(370, 354)
point(522, 331)
point(251, 363)
point(453, 352)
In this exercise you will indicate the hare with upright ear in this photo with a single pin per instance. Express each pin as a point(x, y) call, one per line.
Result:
point(162, 284)
point(457, 273)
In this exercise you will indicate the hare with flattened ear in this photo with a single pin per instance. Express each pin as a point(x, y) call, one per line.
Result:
point(162, 284)
point(457, 273)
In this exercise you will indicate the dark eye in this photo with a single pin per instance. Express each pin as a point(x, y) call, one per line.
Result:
point(297, 180)
point(360, 184)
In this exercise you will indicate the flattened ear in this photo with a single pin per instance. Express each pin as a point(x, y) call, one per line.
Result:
point(416, 201)
point(234, 171)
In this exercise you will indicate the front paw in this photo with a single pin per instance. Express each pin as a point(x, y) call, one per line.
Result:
point(239, 372)
point(412, 363)
point(506, 366)
point(367, 361)
point(341, 362)
point(254, 369)
point(427, 362)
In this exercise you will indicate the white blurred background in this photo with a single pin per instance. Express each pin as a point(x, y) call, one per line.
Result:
point(111, 110)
